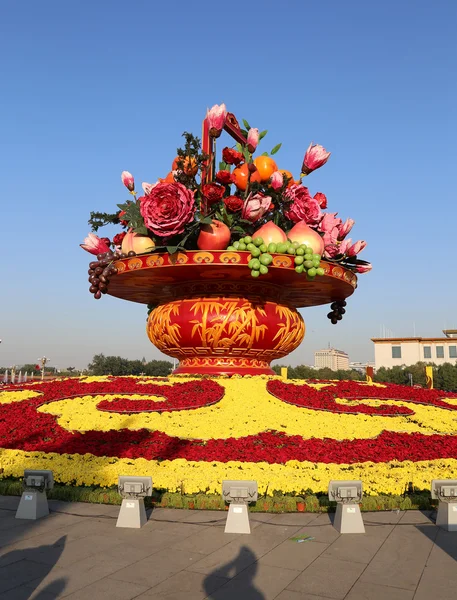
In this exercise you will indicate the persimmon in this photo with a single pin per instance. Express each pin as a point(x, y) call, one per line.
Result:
point(240, 177)
point(190, 166)
point(266, 166)
point(289, 175)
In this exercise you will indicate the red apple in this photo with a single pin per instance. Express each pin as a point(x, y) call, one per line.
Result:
point(271, 234)
point(303, 234)
point(214, 237)
point(140, 244)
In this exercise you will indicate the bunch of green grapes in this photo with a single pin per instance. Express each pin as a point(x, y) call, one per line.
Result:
point(306, 261)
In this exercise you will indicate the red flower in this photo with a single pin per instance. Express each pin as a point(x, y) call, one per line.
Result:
point(118, 238)
point(234, 203)
point(322, 199)
point(121, 214)
point(224, 177)
point(212, 193)
point(167, 209)
point(231, 156)
point(302, 207)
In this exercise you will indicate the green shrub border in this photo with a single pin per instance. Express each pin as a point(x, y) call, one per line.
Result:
point(315, 503)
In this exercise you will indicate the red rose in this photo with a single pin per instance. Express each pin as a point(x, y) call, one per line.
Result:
point(224, 177)
point(302, 207)
point(234, 203)
point(118, 238)
point(167, 209)
point(232, 157)
point(322, 199)
point(212, 193)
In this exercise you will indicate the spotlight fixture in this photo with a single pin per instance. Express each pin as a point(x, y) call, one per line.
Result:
point(347, 495)
point(133, 491)
point(34, 503)
point(238, 494)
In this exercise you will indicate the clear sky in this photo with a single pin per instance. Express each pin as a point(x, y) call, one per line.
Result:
point(89, 89)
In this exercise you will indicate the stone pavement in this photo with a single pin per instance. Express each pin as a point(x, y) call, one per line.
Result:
point(78, 553)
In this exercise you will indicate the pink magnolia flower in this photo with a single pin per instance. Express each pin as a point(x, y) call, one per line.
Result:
point(128, 181)
point(356, 248)
point(255, 206)
point(315, 157)
point(216, 119)
point(277, 180)
point(344, 246)
point(94, 245)
point(345, 228)
point(330, 237)
point(302, 207)
point(253, 139)
point(331, 250)
point(329, 222)
point(322, 199)
point(364, 268)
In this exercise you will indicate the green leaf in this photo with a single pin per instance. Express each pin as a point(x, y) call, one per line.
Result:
point(223, 166)
point(244, 132)
point(262, 134)
point(206, 221)
point(238, 229)
point(172, 249)
point(246, 124)
point(239, 147)
point(276, 148)
point(246, 154)
point(141, 229)
point(264, 154)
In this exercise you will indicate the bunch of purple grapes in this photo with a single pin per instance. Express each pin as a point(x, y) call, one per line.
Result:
point(100, 272)
point(338, 311)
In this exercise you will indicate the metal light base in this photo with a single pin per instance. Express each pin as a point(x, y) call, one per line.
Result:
point(237, 519)
point(132, 513)
point(348, 518)
point(33, 506)
point(447, 516)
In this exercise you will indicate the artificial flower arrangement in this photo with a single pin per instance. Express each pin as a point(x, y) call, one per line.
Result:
point(248, 203)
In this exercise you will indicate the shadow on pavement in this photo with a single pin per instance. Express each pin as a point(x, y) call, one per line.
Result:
point(23, 569)
point(247, 590)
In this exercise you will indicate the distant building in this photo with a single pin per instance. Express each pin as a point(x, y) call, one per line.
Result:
point(361, 366)
point(332, 359)
point(391, 352)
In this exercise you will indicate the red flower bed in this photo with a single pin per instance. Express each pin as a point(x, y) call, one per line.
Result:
point(308, 397)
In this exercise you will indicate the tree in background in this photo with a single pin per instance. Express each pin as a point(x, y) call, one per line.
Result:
point(116, 365)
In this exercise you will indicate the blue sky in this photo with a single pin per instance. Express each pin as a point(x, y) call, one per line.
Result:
point(92, 88)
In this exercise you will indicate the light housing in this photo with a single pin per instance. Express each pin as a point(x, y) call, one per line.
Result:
point(239, 491)
point(134, 487)
point(38, 480)
point(345, 491)
point(444, 490)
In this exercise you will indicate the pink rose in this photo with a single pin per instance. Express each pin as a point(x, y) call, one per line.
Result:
point(302, 207)
point(316, 156)
point(128, 181)
point(356, 248)
point(277, 180)
point(255, 206)
point(329, 222)
point(167, 209)
point(253, 139)
point(216, 117)
point(322, 199)
point(345, 228)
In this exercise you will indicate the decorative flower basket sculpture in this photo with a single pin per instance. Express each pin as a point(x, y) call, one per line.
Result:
point(223, 274)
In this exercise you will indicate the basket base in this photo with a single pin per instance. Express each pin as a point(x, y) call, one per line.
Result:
point(223, 366)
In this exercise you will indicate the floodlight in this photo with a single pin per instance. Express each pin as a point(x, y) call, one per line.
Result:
point(239, 493)
point(445, 491)
point(347, 495)
point(133, 490)
point(34, 503)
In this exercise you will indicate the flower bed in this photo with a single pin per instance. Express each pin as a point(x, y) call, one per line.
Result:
point(189, 434)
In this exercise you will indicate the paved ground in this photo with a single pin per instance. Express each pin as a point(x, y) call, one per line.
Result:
point(78, 553)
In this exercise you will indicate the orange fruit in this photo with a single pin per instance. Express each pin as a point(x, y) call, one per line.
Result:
point(289, 175)
point(168, 179)
point(240, 176)
point(190, 165)
point(266, 166)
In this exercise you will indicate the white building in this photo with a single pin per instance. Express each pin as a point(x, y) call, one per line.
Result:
point(391, 352)
point(331, 358)
point(361, 366)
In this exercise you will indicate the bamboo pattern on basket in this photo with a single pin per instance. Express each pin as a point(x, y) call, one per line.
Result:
point(226, 324)
point(162, 331)
point(291, 331)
